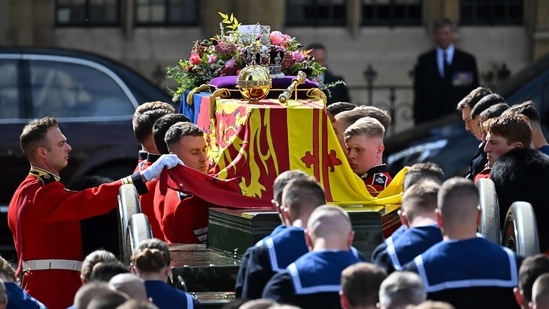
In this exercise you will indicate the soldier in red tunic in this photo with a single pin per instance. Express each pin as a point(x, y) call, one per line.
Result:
point(143, 120)
point(155, 198)
point(364, 141)
point(185, 218)
point(44, 216)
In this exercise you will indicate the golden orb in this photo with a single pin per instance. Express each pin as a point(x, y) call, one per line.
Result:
point(254, 82)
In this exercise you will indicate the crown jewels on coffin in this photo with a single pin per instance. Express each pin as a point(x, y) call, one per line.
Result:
point(261, 52)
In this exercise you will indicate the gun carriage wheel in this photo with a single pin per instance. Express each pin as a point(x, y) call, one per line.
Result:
point(520, 232)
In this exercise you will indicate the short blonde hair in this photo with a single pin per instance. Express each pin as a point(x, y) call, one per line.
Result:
point(368, 126)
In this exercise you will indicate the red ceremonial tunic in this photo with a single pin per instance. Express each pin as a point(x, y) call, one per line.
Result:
point(376, 179)
point(44, 218)
point(185, 218)
point(147, 199)
point(485, 173)
point(158, 204)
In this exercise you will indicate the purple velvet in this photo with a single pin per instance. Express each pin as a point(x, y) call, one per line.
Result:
point(278, 83)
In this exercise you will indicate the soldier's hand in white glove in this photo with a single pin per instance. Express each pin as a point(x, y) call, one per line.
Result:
point(165, 161)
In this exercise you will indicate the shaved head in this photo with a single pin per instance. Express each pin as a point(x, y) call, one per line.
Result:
point(458, 200)
point(331, 226)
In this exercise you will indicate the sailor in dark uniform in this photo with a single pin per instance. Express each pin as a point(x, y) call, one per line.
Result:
point(314, 280)
point(272, 256)
point(465, 270)
point(382, 247)
point(243, 270)
point(418, 214)
point(278, 186)
point(300, 197)
point(416, 173)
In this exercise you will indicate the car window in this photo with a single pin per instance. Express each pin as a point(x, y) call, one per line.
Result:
point(536, 90)
point(61, 89)
point(9, 94)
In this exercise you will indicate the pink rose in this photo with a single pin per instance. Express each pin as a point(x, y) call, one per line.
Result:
point(212, 59)
point(288, 61)
point(298, 57)
point(277, 38)
point(195, 59)
point(230, 63)
point(286, 37)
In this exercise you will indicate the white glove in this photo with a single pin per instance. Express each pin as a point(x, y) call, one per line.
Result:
point(166, 160)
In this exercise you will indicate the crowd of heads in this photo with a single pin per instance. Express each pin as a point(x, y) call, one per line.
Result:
point(498, 125)
point(108, 283)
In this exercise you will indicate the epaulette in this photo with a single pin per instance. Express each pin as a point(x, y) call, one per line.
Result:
point(44, 176)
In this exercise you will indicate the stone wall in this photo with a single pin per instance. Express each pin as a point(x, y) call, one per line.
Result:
point(392, 52)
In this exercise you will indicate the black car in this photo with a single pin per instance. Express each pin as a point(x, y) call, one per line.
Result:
point(92, 97)
point(446, 142)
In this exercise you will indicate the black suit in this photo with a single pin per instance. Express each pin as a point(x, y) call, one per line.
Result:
point(436, 96)
point(477, 163)
point(339, 92)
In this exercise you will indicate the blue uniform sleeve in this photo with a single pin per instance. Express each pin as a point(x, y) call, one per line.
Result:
point(378, 251)
point(19, 298)
point(239, 285)
point(280, 288)
point(258, 273)
point(381, 258)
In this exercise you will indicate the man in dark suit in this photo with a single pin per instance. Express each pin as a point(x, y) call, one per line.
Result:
point(339, 92)
point(443, 75)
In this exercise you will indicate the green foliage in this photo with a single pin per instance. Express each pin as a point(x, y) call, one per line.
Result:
point(222, 56)
point(231, 21)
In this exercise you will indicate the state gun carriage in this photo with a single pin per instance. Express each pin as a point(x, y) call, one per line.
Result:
point(519, 231)
point(209, 270)
point(250, 142)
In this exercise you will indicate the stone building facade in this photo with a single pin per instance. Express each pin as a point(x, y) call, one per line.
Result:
point(140, 33)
